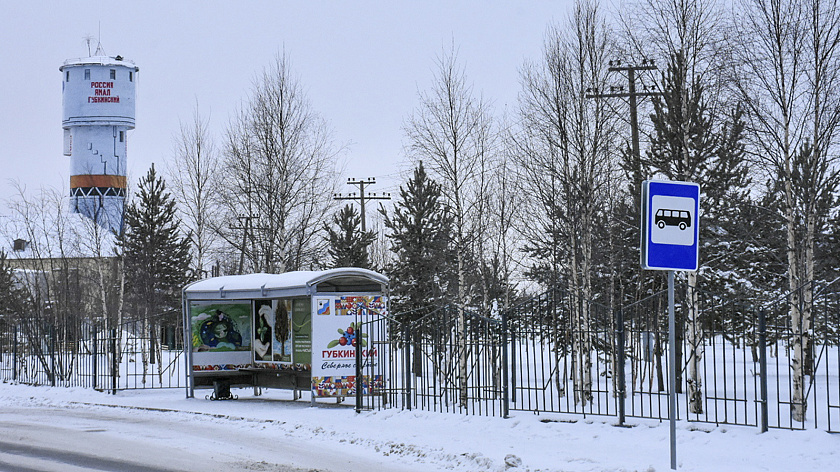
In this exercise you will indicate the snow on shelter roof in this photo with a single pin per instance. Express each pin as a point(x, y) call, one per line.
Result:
point(343, 279)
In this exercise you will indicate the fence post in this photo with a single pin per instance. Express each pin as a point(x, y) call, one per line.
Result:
point(619, 365)
point(95, 356)
point(762, 343)
point(15, 355)
point(114, 361)
point(359, 380)
point(52, 355)
point(407, 342)
point(505, 392)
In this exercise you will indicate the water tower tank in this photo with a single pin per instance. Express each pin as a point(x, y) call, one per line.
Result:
point(98, 102)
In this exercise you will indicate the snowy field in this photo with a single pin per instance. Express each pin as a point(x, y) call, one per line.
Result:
point(271, 432)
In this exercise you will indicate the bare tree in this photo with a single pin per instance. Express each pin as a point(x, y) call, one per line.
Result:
point(194, 179)
point(567, 145)
point(506, 202)
point(689, 36)
point(452, 133)
point(65, 271)
point(278, 176)
point(788, 80)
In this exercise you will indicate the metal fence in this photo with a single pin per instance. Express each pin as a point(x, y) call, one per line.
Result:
point(740, 361)
point(561, 352)
point(449, 360)
point(135, 354)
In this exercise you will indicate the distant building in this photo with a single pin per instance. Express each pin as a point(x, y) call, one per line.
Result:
point(70, 287)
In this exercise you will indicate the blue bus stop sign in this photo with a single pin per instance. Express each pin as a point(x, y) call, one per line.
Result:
point(670, 214)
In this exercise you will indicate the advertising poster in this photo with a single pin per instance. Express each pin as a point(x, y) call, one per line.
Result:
point(264, 317)
point(338, 325)
point(302, 332)
point(282, 331)
point(221, 335)
point(272, 331)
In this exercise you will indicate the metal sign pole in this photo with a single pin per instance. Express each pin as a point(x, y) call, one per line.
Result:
point(670, 241)
point(672, 377)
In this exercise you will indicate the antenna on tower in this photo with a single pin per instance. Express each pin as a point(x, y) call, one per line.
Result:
point(99, 50)
point(88, 40)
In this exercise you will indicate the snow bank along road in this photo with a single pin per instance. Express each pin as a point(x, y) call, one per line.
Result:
point(60, 429)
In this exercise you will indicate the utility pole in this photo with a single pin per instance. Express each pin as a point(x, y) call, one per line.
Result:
point(632, 94)
point(361, 197)
point(246, 227)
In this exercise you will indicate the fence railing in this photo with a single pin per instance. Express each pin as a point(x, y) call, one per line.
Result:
point(740, 362)
point(136, 354)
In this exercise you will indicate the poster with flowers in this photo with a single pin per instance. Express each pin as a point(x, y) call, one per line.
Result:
point(339, 326)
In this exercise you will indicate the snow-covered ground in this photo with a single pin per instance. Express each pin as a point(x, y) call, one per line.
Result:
point(399, 440)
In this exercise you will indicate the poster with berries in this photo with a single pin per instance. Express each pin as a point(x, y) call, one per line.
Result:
point(339, 326)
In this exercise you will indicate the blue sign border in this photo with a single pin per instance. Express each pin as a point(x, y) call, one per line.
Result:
point(657, 256)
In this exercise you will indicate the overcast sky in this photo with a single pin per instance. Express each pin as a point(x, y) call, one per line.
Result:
point(362, 64)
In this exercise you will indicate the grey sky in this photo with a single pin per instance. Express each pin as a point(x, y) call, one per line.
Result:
point(361, 63)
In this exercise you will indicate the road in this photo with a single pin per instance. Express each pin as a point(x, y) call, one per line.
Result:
point(47, 439)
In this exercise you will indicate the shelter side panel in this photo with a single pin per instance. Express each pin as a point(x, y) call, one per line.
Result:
point(302, 331)
point(339, 325)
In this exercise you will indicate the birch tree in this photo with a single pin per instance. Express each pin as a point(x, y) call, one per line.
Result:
point(689, 36)
point(567, 143)
point(278, 176)
point(68, 277)
point(691, 144)
point(788, 80)
point(194, 178)
point(451, 131)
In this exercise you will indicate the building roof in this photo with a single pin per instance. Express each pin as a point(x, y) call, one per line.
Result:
point(99, 61)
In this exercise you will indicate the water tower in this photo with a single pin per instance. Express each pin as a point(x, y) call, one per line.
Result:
point(98, 101)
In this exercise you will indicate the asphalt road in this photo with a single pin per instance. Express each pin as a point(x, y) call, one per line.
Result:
point(48, 439)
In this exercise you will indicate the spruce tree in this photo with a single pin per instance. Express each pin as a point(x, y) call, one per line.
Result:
point(692, 142)
point(348, 245)
point(423, 273)
point(156, 256)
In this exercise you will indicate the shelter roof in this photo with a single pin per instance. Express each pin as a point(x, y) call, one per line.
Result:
point(290, 283)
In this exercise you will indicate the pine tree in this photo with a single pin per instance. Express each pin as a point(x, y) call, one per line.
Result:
point(156, 257)
point(423, 271)
point(348, 245)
